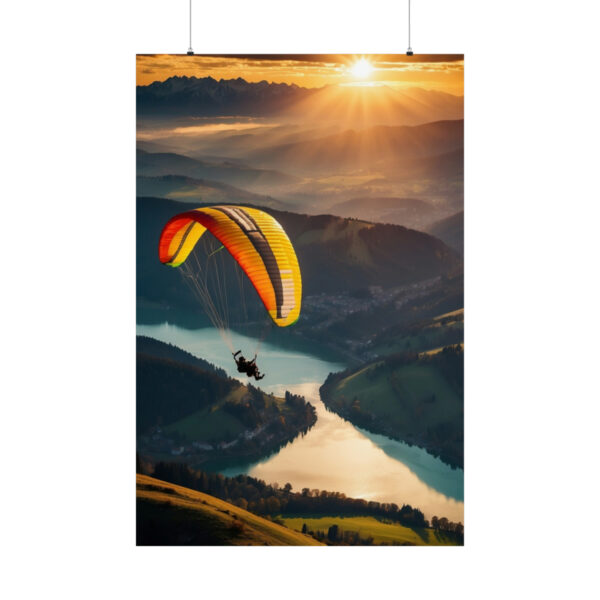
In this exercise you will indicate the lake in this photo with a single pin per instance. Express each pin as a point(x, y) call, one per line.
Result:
point(334, 455)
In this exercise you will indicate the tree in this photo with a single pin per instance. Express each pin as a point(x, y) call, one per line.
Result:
point(273, 505)
point(332, 533)
point(242, 503)
point(304, 528)
point(261, 507)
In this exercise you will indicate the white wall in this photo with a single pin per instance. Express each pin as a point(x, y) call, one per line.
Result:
point(68, 300)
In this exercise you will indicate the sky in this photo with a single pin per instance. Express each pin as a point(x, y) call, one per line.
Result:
point(433, 72)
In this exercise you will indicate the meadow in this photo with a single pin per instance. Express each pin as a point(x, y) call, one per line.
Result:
point(370, 527)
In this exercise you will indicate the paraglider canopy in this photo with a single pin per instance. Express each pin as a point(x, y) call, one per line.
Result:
point(255, 240)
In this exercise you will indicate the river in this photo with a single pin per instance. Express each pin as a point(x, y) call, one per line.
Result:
point(334, 455)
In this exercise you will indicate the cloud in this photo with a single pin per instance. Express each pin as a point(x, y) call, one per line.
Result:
point(205, 129)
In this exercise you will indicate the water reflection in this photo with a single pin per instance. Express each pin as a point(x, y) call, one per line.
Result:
point(334, 455)
point(431, 471)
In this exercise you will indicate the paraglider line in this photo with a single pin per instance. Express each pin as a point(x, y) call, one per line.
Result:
point(217, 250)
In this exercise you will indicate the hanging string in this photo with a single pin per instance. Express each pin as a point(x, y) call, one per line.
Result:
point(266, 329)
point(190, 51)
point(409, 52)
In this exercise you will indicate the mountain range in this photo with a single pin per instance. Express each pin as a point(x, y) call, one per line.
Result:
point(312, 175)
point(364, 149)
point(206, 97)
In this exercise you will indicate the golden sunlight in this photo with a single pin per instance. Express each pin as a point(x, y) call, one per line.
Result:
point(432, 72)
point(361, 68)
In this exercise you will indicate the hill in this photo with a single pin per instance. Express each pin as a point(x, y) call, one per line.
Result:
point(357, 518)
point(423, 334)
point(240, 144)
point(172, 515)
point(196, 191)
point(150, 346)
point(168, 391)
point(366, 148)
point(280, 501)
point(450, 230)
point(373, 321)
point(156, 164)
point(409, 212)
point(201, 416)
point(414, 398)
point(446, 165)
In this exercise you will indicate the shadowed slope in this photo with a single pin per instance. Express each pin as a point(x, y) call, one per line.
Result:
point(172, 515)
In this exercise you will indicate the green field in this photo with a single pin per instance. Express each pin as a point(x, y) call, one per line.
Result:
point(440, 331)
point(205, 425)
point(387, 533)
point(427, 338)
point(172, 515)
point(401, 393)
point(212, 423)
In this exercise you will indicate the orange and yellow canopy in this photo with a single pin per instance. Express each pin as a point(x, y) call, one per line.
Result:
point(255, 240)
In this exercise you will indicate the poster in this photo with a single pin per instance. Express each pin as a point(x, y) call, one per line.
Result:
point(304, 212)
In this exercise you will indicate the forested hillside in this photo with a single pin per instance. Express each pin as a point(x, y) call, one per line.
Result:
point(416, 398)
point(199, 414)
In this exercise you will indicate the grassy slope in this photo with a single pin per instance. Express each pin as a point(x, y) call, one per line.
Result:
point(415, 382)
point(435, 335)
point(169, 514)
point(438, 350)
point(214, 423)
point(205, 425)
point(452, 313)
point(388, 533)
point(210, 422)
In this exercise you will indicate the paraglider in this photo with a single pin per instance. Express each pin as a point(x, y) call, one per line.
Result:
point(247, 366)
point(262, 251)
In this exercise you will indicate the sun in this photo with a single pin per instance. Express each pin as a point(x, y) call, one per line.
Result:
point(361, 69)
